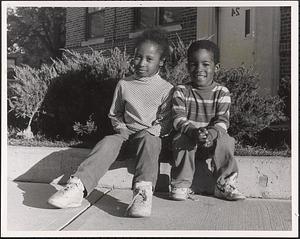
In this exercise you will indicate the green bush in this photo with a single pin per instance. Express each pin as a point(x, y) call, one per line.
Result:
point(108, 64)
point(84, 87)
point(285, 93)
point(175, 68)
point(250, 112)
point(26, 93)
point(85, 130)
point(71, 98)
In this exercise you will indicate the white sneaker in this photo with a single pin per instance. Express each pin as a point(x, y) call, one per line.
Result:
point(228, 190)
point(231, 194)
point(142, 200)
point(179, 194)
point(69, 196)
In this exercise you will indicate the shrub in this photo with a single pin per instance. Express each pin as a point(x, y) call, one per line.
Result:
point(86, 130)
point(285, 93)
point(71, 98)
point(111, 63)
point(175, 68)
point(26, 93)
point(85, 86)
point(250, 112)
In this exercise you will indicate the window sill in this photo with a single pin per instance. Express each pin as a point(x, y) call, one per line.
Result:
point(93, 41)
point(170, 28)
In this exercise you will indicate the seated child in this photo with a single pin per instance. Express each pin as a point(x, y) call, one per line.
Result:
point(140, 114)
point(201, 119)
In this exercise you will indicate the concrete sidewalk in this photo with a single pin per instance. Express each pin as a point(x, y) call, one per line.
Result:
point(35, 173)
point(104, 210)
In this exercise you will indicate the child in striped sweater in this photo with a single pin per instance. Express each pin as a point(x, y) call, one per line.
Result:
point(140, 115)
point(201, 119)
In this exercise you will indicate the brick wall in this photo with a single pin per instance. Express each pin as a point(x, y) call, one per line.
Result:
point(188, 24)
point(75, 26)
point(119, 23)
point(285, 42)
point(285, 58)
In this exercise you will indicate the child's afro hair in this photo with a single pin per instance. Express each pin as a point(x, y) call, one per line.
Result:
point(158, 36)
point(205, 44)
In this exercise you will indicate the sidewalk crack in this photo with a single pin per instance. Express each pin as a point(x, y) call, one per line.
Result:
point(84, 210)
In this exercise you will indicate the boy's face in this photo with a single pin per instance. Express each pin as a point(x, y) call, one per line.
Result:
point(147, 59)
point(202, 68)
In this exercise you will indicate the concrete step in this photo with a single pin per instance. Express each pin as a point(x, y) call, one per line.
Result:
point(259, 177)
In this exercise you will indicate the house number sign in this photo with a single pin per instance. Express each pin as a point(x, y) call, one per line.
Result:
point(235, 12)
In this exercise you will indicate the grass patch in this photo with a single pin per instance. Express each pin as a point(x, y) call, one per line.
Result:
point(261, 151)
point(44, 143)
point(239, 149)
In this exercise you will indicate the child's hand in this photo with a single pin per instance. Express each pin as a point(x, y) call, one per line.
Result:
point(124, 132)
point(210, 137)
point(202, 136)
point(208, 142)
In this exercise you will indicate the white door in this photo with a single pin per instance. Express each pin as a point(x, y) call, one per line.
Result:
point(236, 36)
point(250, 36)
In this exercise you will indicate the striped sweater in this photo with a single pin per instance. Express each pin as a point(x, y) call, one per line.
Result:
point(199, 107)
point(142, 103)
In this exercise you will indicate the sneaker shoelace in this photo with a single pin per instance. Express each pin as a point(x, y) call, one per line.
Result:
point(190, 193)
point(229, 185)
point(71, 186)
point(183, 190)
point(235, 190)
point(139, 193)
point(228, 188)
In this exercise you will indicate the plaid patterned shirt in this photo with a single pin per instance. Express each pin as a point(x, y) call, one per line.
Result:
point(199, 107)
point(142, 103)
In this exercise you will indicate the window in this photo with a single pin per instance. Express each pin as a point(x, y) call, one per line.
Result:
point(169, 15)
point(95, 22)
point(146, 17)
point(152, 16)
point(247, 23)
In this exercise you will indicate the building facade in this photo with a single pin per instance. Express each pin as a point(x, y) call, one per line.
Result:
point(258, 37)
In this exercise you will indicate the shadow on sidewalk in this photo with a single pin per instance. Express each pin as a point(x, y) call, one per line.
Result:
point(111, 205)
point(58, 166)
point(36, 195)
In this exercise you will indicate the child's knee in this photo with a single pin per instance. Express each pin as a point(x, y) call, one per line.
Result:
point(183, 142)
point(110, 139)
point(226, 141)
point(149, 140)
